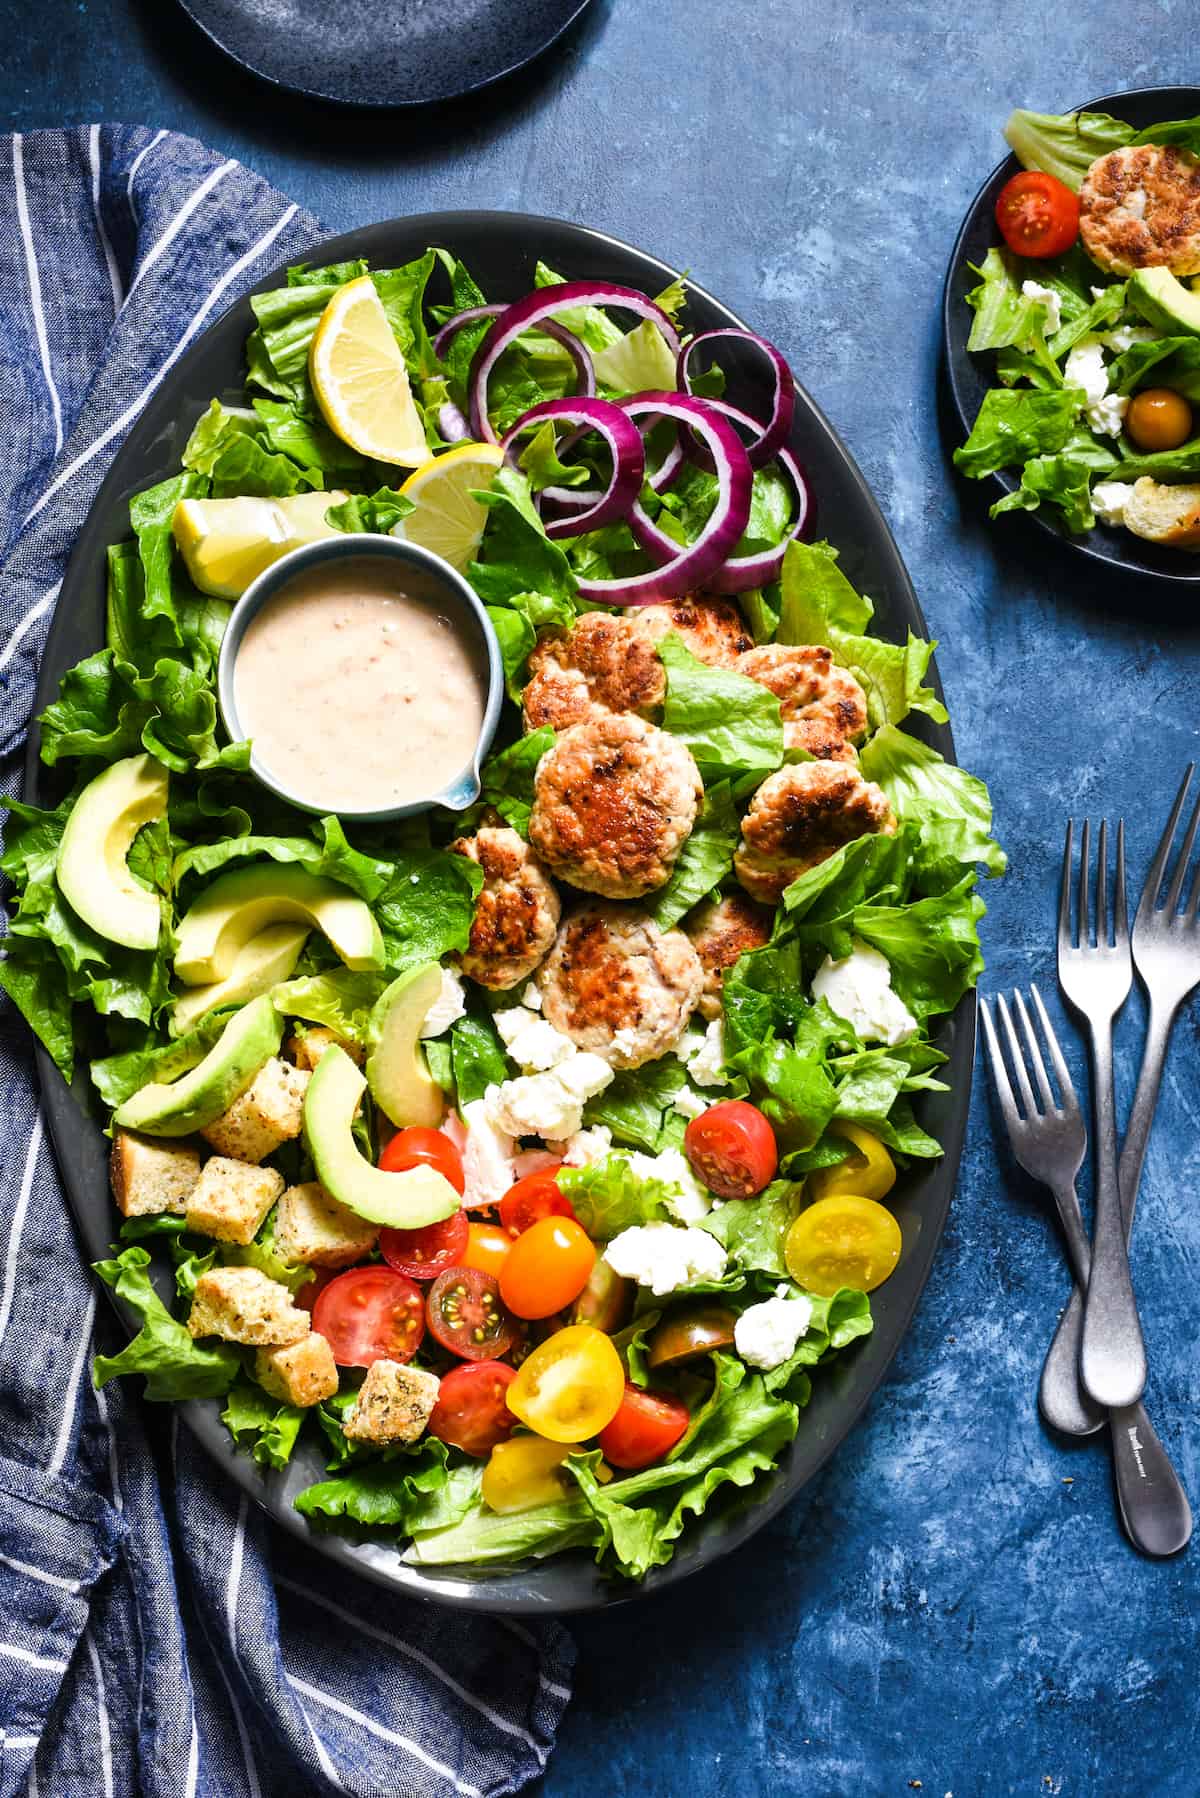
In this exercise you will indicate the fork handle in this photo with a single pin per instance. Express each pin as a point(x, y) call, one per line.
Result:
point(1062, 1398)
point(1153, 1504)
point(1112, 1354)
point(1145, 1099)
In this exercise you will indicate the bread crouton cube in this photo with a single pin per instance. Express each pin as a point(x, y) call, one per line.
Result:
point(313, 1227)
point(394, 1404)
point(269, 1112)
point(301, 1373)
point(148, 1176)
point(231, 1199)
point(242, 1305)
point(307, 1050)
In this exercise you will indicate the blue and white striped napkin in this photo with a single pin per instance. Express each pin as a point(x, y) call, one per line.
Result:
point(159, 1638)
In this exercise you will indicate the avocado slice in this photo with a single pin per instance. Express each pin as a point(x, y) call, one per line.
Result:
point(1164, 301)
point(92, 870)
point(266, 959)
point(246, 1044)
point(240, 904)
point(401, 1084)
point(406, 1201)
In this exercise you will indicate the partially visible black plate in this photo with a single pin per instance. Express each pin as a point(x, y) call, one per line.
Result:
point(501, 250)
point(384, 52)
point(970, 376)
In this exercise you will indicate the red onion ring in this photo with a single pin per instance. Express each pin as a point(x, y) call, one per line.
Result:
point(577, 351)
point(537, 307)
point(624, 441)
point(772, 437)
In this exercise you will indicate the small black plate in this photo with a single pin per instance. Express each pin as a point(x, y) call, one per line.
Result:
point(384, 52)
point(501, 249)
point(970, 375)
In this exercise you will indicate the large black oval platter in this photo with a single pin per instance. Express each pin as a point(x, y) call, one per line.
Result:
point(970, 375)
point(502, 249)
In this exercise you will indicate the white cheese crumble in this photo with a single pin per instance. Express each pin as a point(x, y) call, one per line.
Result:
point(487, 1155)
point(1124, 336)
point(765, 1335)
point(531, 998)
point(586, 1147)
point(690, 1201)
point(1107, 415)
point(548, 1104)
point(859, 989)
point(1046, 296)
point(1085, 369)
point(704, 1056)
point(447, 1008)
point(664, 1257)
point(687, 1104)
point(533, 1043)
point(1109, 499)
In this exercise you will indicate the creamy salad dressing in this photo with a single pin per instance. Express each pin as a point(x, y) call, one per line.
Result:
point(358, 693)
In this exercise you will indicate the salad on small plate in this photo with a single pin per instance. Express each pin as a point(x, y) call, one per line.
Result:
point(1086, 318)
point(532, 1155)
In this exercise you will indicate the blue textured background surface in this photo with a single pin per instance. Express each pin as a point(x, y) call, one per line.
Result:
point(953, 1602)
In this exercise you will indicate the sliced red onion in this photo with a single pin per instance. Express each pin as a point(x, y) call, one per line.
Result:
point(769, 439)
point(740, 572)
point(452, 426)
point(453, 326)
point(624, 442)
point(578, 352)
point(532, 311)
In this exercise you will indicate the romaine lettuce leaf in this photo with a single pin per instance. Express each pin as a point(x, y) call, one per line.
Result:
point(609, 1197)
point(1015, 423)
point(174, 1366)
point(341, 999)
point(482, 1537)
point(506, 778)
point(731, 724)
point(705, 861)
point(413, 1489)
point(379, 512)
point(260, 1423)
point(932, 945)
point(477, 1057)
point(518, 557)
point(637, 1105)
point(1065, 144)
point(951, 808)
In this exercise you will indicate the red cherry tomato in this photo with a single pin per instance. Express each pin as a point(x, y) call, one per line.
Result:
point(466, 1315)
point(1037, 215)
point(370, 1314)
point(547, 1266)
point(533, 1198)
point(731, 1148)
point(416, 1146)
point(470, 1412)
point(311, 1290)
point(645, 1429)
point(424, 1254)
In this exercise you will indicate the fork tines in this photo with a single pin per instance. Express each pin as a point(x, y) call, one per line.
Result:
point(1158, 868)
point(1080, 925)
point(1047, 1102)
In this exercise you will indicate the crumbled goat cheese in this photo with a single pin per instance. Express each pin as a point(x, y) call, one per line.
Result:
point(533, 1043)
point(1124, 336)
point(859, 989)
point(1109, 499)
point(548, 1104)
point(1033, 290)
point(664, 1257)
point(586, 1147)
point(766, 1334)
point(531, 998)
point(447, 1008)
point(704, 1056)
point(487, 1155)
point(690, 1201)
point(1085, 368)
point(687, 1104)
point(1108, 414)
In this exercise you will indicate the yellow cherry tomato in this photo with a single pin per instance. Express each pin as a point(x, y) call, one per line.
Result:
point(868, 1171)
point(571, 1386)
point(487, 1248)
point(526, 1471)
point(842, 1241)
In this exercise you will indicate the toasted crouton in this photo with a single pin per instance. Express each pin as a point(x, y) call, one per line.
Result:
point(150, 1176)
point(307, 1050)
point(231, 1199)
point(394, 1404)
point(269, 1112)
point(242, 1305)
point(301, 1373)
point(1163, 514)
point(313, 1227)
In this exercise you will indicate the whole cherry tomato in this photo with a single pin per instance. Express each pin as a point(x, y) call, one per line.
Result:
point(1038, 215)
point(547, 1266)
point(533, 1198)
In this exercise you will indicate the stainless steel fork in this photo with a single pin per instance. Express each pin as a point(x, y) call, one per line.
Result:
point(1049, 1142)
point(1166, 953)
point(1095, 977)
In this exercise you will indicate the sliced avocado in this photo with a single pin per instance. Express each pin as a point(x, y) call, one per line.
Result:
point(246, 1044)
point(1164, 301)
point(406, 1201)
point(266, 959)
point(239, 905)
point(401, 1084)
point(92, 870)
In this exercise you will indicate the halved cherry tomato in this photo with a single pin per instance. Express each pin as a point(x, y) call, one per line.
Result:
point(570, 1386)
point(524, 1472)
point(465, 1314)
point(547, 1266)
point(471, 1412)
point(426, 1253)
point(487, 1247)
point(433, 1148)
point(605, 1301)
point(533, 1198)
point(868, 1171)
point(690, 1333)
point(1037, 214)
point(645, 1429)
point(311, 1290)
point(845, 1241)
point(731, 1148)
point(370, 1314)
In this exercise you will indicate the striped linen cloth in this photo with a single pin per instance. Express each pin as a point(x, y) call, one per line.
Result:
point(159, 1638)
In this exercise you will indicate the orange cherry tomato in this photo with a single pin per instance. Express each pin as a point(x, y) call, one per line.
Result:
point(1158, 419)
point(1038, 215)
point(487, 1248)
point(547, 1266)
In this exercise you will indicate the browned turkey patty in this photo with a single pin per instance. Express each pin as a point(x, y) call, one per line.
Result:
point(721, 931)
point(824, 709)
point(619, 986)
point(516, 914)
point(799, 817)
point(1140, 208)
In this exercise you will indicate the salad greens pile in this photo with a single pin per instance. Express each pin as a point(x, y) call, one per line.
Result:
point(912, 895)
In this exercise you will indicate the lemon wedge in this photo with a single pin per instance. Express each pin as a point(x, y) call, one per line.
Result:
point(226, 543)
point(446, 516)
point(360, 380)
